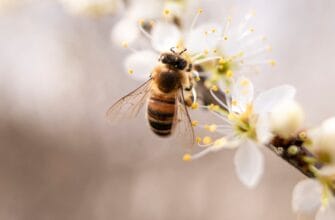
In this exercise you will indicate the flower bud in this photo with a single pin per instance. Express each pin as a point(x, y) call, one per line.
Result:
point(286, 118)
point(324, 141)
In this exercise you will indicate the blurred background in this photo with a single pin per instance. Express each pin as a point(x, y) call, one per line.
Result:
point(61, 159)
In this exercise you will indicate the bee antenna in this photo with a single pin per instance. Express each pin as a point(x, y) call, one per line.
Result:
point(183, 51)
point(172, 49)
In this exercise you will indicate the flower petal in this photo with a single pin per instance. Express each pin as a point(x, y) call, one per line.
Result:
point(140, 64)
point(272, 97)
point(306, 196)
point(263, 129)
point(204, 37)
point(242, 94)
point(249, 164)
point(144, 9)
point(286, 118)
point(125, 31)
point(165, 36)
point(327, 213)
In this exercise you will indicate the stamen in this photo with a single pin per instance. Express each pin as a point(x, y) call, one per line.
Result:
point(130, 71)
point(257, 52)
point(216, 146)
point(197, 56)
point(218, 100)
point(226, 27)
point(143, 31)
point(211, 128)
point(126, 46)
point(247, 18)
point(195, 123)
point(271, 62)
point(207, 140)
point(187, 157)
point(253, 41)
point(204, 60)
point(195, 105)
point(215, 88)
point(194, 94)
point(201, 153)
point(195, 19)
point(230, 74)
point(196, 75)
point(246, 33)
point(166, 12)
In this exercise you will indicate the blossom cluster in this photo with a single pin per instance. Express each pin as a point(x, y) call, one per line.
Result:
point(224, 55)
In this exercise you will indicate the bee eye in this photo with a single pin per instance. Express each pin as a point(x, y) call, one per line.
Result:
point(182, 64)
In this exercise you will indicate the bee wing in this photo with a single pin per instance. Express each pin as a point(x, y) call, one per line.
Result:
point(129, 105)
point(183, 122)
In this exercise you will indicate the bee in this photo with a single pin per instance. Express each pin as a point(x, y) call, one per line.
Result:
point(167, 94)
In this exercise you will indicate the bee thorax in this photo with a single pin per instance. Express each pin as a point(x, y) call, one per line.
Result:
point(168, 81)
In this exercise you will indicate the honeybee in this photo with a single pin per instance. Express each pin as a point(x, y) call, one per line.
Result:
point(166, 94)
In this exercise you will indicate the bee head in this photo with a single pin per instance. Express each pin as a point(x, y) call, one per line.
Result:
point(174, 59)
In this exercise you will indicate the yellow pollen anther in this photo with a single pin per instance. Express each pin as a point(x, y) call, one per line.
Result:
point(219, 143)
point(195, 123)
point(141, 21)
point(215, 51)
point(130, 71)
point(213, 107)
point(245, 82)
point(225, 37)
point(234, 102)
point(200, 10)
point(195, 105)
point(206, 52)
point(215, 88)
point(272, 62)
point(198, 140)
point(212, 127)
point(222, 61)
point(227, 91)
point(124, 44)
point(229, 74)
point(166, 12)
point(303, 135)
point(207, 140)
point(206, 33)
point(251, 30)
point(187, 157)
point(240, 54)
point(197, 78)
point(213, 30)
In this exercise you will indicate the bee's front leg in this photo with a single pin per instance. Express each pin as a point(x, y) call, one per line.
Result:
point(189, 91)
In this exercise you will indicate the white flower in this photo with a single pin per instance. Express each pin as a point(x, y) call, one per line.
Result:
point(249, 164)
point(165, 36)
point(286, 119)
point(91, 7)
point(242, 50)
point(245, 125)
point(129, 28)
point(323, 139)
point(12, 4)
point(309, 196)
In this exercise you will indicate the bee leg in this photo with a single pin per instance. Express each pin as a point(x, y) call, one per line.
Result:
point(189, 68)
point(190, 86)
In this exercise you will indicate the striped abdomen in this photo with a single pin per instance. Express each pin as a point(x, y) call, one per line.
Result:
point(161, 112)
